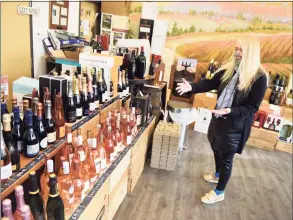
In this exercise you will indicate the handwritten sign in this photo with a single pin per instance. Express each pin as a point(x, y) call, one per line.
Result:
point(23, 10)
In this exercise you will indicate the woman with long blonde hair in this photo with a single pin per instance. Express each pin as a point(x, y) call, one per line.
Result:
point(241, 85)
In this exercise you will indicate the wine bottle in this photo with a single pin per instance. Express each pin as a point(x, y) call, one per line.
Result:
point(10, 144)
point(283, 97)
point(44, 179)
point(111, 89)
point(6, 168)
point(17, 129)
point(101, 89)
point(7, 209)
point(132, 66)
point(77, 180)
point(70, 105)
point(84, 167)
point(102, 152)
point(13, 103)
point(276, 80)
point(95, 87)
point(97, 161)
point(30, 137)
point(59, 117)
point(40, 128)
point(119, 52)
point(85, 74)
point(50, 123)
point(99, 47)
point(35, 200)
point(109, 145)
point(123, 83)
point(104, 85)
point(3, 110)
point(281, 84)
point(66, 187)
point(91, 97)
point(126, 58)
point(55, 205)
point(140, 64)
point(84, 98)
point(35, 101)
point(128, 132)
point(119, 85)
point(20, 204)
point(76, 98)
point(118, 135)
point(152, 66)
point(138, 115)
point(289, 100)
point(25, 106)
point(68, 150)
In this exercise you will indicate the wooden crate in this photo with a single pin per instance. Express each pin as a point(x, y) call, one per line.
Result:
point(284, 146)
point(98, 208)
point(118, 194)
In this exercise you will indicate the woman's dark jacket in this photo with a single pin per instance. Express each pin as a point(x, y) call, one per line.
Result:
point(231, 134)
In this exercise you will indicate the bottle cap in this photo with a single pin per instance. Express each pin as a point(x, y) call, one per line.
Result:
point(24, 210)
point(66, 167)
point(6, 204)
point(48, 103)
point(69, 138)
point(50, 166)
point(18, 190)
point(94, 143)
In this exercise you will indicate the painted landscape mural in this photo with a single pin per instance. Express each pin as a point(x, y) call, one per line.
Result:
point(206, 30)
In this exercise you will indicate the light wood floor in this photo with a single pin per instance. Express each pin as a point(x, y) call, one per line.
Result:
point(260, 188)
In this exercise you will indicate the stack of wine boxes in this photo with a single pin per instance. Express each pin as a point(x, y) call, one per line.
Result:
point(165, 146)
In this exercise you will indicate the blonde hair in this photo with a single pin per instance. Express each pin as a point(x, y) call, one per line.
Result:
point(249, 66)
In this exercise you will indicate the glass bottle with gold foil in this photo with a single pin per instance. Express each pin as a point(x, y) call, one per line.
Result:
point(31, 146)
point(101, 89)
point(20, 203)
point(76, 98)
point(40, 128)
point(35, 200)
point(95, 86)
point(59, 117)
point(70, 105)
point(44, 179)
point(10, 144)
point(35, 101)
point(84, 98)
point(84, 73)
point(91, 96)
point(50, 123)
point(17, 129)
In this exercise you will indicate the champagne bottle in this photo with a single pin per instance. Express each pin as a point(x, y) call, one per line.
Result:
point(70, 105)
point(30, 138)
point(55, 206)
point(12, 147)
point(76, 98)
point(95, 87)
point(132, 66)
point(59, 117)
point(7, 209)
point(17, 129)
point(91, 97)
point(84, 98)
point(104, 85)
point(20, 204)
point(101, 89)
point(40, 128)
point(119, 85)
point(50, 123)
point(6, 169)
point(123, 83)
point(35, 201)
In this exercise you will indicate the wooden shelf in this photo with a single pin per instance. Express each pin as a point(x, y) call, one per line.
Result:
point(33, 164)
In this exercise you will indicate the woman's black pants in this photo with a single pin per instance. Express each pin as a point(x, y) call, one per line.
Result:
point(224, 163)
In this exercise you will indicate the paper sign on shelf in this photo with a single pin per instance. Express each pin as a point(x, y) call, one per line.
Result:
point(276, 109)
point(93, 60)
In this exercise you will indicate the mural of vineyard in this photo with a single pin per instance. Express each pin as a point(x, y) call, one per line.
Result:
point(206, 30)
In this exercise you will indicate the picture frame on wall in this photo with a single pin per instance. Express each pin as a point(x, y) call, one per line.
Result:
point(106, 21)
point(58, 15)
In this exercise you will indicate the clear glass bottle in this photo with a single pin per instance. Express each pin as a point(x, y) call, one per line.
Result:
point(7, 209)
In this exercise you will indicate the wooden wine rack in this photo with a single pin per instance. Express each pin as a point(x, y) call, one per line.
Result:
point(33, 164)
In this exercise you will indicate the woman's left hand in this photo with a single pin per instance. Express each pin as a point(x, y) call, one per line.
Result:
point(223, 111)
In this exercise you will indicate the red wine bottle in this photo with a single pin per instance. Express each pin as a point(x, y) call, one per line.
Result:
point(132, 66)
point(140, 64)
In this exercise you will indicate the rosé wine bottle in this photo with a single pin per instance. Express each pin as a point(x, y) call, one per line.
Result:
point(7, 209)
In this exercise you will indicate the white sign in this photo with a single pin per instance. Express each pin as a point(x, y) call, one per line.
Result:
point(92, 60)
point(23, 10)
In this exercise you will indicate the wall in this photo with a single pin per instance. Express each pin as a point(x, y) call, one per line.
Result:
point(40, 28)
point(15, 43)
point(116, 8)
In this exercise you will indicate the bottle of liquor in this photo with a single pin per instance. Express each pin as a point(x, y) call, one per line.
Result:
point(10, 144)
point(109, 145)
point(20, 202)
point(123, 83)
point(70, 105)
point(101, 89)
point(84, 98)
point(102, 152)
point(7, 209)
point(79, 81)
point(128, 132)
point(272, 126)
point(13, 103)
point(140, 64)
point(118, 136)
point(132, 66)
point(210, 69)
point(17, 129)
point(44, 179)
point(77, 181)
point(68, 151)
point(138, 115)
point(119, 85)
point(104, 85)
point(111, 89)
point(289, 100)
point(50, 123)
point(84, 167)
point(95, 87)
point(76, 98)
point(85, 74)
point(40, 128)
point(6, 168)
point(97, 161)
point(91, 96)
point(25, 105)
point(152, 66)
point(126, 58)
point(35, 101)
point(59, 117)
point(133, 125)
point(55, 206)
point(35, 200)
point(283, 97)
point(66, 187)
point(281, 84)
point(92, 168)
point(30, 138)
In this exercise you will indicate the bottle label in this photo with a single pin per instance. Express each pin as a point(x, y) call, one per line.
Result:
point(51, 137)
point(97, 103)
point(6, 171)
point(71, 116)
point(81, 156)
point(19, 145)
point(111, 93)
point(92, 106)
point(129, 139)
point(86, 185)
point(62, 132)
point(78, 112)
point(103, 164)
point(93, 179)
point(71, 190)
point(32, 150)
point(98, 165)
point(44, 143)
point(138, 120)
point(112, 156)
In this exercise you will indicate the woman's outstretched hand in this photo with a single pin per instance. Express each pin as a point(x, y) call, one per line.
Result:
point(183, 87)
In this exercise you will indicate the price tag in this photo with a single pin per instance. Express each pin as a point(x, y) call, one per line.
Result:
point(210, 95)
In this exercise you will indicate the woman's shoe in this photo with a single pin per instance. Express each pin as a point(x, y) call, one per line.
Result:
point(211, 178)
point(212, 197)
